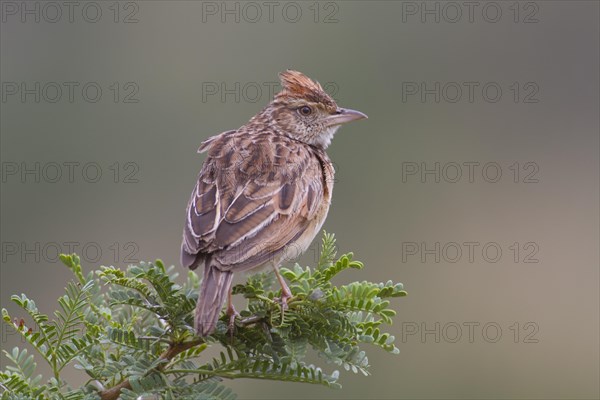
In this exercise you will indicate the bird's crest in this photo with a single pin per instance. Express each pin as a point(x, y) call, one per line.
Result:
point(296, 85)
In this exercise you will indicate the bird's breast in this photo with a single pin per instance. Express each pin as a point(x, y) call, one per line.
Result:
point(315, 225)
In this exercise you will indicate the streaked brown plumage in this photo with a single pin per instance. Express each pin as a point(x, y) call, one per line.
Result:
point(264, 189)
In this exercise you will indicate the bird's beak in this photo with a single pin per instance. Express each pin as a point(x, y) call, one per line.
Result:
point(344, 115)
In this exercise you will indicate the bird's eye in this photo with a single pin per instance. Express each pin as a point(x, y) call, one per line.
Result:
point(305, 110)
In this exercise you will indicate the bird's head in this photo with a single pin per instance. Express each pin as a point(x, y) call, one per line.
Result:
point(304, 111)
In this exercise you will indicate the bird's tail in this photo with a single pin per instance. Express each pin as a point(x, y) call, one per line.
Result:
point(214, 289)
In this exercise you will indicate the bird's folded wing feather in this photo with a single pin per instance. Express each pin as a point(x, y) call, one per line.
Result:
point(253, 198)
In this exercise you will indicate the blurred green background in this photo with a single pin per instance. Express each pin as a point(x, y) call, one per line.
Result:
point(520, 324)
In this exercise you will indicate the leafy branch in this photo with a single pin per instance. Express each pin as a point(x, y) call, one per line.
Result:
point(131, 332)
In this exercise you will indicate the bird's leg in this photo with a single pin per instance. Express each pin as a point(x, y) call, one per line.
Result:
point(286, 293)
point(231, 313)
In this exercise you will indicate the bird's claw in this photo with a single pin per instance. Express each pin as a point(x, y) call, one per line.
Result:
point(283, 300)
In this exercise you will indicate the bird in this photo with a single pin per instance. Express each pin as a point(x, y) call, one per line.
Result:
point(264, 191)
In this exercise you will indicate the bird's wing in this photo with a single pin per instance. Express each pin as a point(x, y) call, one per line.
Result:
point(254, 197)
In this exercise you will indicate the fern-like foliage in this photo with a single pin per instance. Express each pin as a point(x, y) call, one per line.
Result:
point(131, 332)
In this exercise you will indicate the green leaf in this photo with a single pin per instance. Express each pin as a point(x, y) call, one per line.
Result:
point(137, 324)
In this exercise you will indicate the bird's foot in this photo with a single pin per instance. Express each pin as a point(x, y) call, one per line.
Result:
point(232, 314)
point(286, 295)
